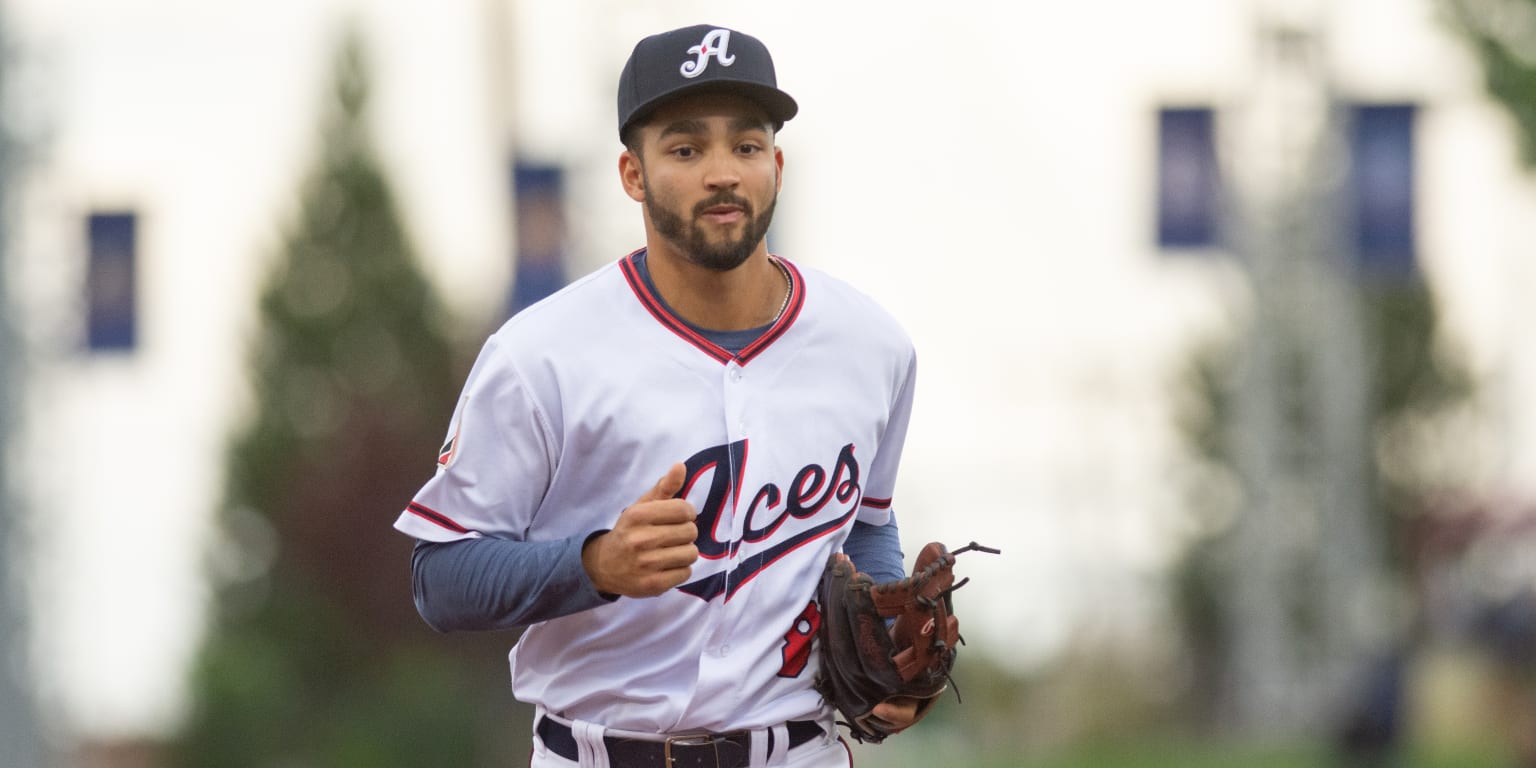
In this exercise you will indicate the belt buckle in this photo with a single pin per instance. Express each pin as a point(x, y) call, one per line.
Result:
point(689, 740)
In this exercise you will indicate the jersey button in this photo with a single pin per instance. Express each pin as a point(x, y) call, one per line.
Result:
point(725, 650)
point(735, 375)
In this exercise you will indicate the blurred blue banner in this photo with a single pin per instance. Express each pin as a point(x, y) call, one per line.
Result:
point(1381, 188)
point(1187, 178)
point(111, 281)
point(539, 195)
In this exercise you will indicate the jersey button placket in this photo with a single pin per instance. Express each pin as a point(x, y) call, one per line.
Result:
point(736, 420)
point(734, 401)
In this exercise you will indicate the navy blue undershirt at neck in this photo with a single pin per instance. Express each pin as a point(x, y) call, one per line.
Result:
point(731, 341)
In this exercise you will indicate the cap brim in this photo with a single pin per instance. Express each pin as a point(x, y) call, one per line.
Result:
point(778, 104)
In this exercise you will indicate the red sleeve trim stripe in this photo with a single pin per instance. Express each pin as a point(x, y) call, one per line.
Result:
point(435, 517)
point(877, 503)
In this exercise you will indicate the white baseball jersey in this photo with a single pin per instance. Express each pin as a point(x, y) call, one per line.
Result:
point(580, 403)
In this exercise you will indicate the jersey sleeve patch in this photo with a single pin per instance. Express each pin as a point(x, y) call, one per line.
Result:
point(450, 449)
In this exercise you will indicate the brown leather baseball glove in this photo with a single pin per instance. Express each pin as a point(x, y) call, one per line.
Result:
point(866, 660)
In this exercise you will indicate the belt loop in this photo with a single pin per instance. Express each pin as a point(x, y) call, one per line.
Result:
point(539, 748)
point(775, 740)
point(591, 751)
point(761, 748)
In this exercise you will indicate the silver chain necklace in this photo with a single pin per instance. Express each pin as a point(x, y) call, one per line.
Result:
point(789, 288)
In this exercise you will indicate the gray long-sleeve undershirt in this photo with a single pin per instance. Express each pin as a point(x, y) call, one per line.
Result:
point(487, 583)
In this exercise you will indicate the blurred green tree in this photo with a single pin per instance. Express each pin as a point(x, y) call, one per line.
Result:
point(314, 654)
point(1502, 35)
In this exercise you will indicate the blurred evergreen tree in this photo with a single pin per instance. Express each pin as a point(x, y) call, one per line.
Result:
point(1502, 34)
point(314, 654)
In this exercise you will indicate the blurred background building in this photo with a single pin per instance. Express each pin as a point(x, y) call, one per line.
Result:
point(1075, 209)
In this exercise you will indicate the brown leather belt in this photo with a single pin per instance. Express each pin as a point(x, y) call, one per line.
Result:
point(704, 750)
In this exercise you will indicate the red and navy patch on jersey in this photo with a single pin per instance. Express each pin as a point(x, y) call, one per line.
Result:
point(450, 449)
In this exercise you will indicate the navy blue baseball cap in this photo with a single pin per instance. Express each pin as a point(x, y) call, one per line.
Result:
point(670, 64)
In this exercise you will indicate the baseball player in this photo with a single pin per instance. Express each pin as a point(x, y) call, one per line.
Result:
point(649, 469)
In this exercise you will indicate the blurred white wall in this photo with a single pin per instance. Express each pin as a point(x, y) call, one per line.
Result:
point(986, 172)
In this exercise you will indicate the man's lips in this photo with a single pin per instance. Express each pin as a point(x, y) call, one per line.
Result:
point(723, 214)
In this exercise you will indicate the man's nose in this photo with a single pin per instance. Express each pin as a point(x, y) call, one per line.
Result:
point(721, 172)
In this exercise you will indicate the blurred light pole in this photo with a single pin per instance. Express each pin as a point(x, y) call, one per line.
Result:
point(1263, 643)
point(1304, 543)
point(18, 725)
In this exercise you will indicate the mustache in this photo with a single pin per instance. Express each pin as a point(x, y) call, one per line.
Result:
point(722, 198)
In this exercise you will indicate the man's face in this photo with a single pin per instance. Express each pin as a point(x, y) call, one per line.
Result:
point(710, 174)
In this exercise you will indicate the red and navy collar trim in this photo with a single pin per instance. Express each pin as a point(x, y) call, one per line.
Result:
point(663, 314)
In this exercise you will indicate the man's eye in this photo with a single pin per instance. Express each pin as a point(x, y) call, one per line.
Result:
point(683, 152)
point(749, 149)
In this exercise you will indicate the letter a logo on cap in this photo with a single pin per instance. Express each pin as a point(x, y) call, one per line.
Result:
point(714, 44)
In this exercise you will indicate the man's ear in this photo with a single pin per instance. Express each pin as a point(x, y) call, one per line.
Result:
point(632, 175)
point(778, 177)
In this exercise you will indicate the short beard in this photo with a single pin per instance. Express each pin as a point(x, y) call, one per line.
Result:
point(720, 257)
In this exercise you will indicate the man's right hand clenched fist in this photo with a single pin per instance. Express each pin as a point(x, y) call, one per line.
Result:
point(651, 548)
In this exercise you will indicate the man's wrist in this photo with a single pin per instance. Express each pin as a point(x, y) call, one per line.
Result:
point(588, 563)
